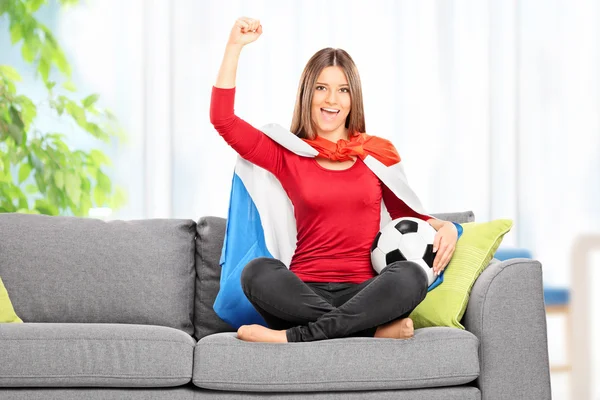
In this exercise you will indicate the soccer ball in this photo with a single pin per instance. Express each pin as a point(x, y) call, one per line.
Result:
point(402, 239)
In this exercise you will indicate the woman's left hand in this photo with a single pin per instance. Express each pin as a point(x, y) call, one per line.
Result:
point(444, 243)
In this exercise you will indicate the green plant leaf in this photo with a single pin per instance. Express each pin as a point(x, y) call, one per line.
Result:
point(119, 198)
point(28, 110)
point(31, 189)
point(44, 69)
point(34, 5)
point(6, 169)
point(98, 158)
point(15, 118)
point(27, 211)
point(23, 203)
point(73, 187)
point(85, 185)
point(39, 180)
point(59, 179)
point(90, 100)
point(16, 34)
point(99, 197)
point(16, 133)
point(11, 87)
point(28, 52)
point(70, 86)
point(103, 181)
point(24, 172)
point(67, 180)
point(61, 62)
point(44, 207)
point(56, 197)
point(77, 113)
point(85, 203)
point(10, 73)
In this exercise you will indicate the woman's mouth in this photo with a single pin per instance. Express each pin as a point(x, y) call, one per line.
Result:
point(329, 114)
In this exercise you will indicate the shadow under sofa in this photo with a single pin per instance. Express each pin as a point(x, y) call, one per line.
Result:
point(123, 310)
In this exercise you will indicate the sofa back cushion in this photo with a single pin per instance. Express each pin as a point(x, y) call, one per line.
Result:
point(70, 269)
point(209, 242)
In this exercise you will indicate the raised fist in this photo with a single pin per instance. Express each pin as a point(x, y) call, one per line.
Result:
point(244, 31)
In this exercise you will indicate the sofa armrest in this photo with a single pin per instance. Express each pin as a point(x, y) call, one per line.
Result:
point(506, 312)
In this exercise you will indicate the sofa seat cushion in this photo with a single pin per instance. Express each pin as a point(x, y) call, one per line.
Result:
point(111, 355)
point(436, 356)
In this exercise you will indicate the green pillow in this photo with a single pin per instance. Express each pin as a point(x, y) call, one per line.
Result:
point(7, 312)
point(446, 304)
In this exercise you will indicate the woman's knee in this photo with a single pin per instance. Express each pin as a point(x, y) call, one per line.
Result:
point(258, 270)
point(410, 276)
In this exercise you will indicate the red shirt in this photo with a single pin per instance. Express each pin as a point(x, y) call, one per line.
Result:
point(337, 212)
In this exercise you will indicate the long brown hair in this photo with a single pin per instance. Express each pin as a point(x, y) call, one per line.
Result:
point(302, 124)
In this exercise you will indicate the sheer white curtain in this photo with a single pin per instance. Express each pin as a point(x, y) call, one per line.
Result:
point(493, 105)
point(425, 74)
point(558, 176)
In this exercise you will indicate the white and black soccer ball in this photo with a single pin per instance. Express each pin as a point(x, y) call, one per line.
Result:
point(402, 239)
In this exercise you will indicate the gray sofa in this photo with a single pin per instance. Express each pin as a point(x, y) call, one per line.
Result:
point(123, 310)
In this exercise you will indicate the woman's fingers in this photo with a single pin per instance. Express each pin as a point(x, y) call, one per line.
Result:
point(446, 257)
point(443, 256)
point(249, 24)
point(436, 242)
point(242, 24)
point(438, 257)
point(245, 30)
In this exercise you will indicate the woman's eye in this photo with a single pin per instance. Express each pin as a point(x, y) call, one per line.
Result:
point(344, 90)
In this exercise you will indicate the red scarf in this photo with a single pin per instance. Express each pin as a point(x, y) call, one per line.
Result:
point(359, 145)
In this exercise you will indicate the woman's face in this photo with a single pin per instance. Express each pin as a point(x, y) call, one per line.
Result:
point(331, 101)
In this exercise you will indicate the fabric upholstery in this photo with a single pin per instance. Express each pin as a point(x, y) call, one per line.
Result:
point(446, 304)
point(112, 355)
point(506, 312)
point(447, 393)
point(436, 356)
point(458, 217)
point(209, 242)
point(69, 269)
point(188, 392)
point(7, 312)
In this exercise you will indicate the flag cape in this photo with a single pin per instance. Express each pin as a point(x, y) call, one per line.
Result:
point(261, 222)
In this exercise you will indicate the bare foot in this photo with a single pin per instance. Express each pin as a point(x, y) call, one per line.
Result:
point(259, 333)
point(397, 329)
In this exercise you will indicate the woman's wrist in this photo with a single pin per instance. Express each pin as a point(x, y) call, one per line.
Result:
point(436, 223)
point(459, 229)
point(234, 47)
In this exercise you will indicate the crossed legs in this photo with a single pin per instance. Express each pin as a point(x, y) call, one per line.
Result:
point(295, 312)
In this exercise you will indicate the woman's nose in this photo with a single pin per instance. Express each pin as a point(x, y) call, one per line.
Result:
point(331, 97)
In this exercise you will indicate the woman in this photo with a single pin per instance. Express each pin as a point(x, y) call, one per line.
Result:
point(330, 289)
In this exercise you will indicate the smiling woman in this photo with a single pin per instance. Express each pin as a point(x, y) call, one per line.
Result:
point(329, 102)
point(336, 219)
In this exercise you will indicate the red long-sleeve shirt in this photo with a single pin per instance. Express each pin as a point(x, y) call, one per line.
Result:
point(337, 211)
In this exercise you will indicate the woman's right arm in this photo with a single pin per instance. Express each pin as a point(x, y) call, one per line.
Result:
point(247, 141)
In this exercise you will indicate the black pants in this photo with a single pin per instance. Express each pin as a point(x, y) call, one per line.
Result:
point(316, 311)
